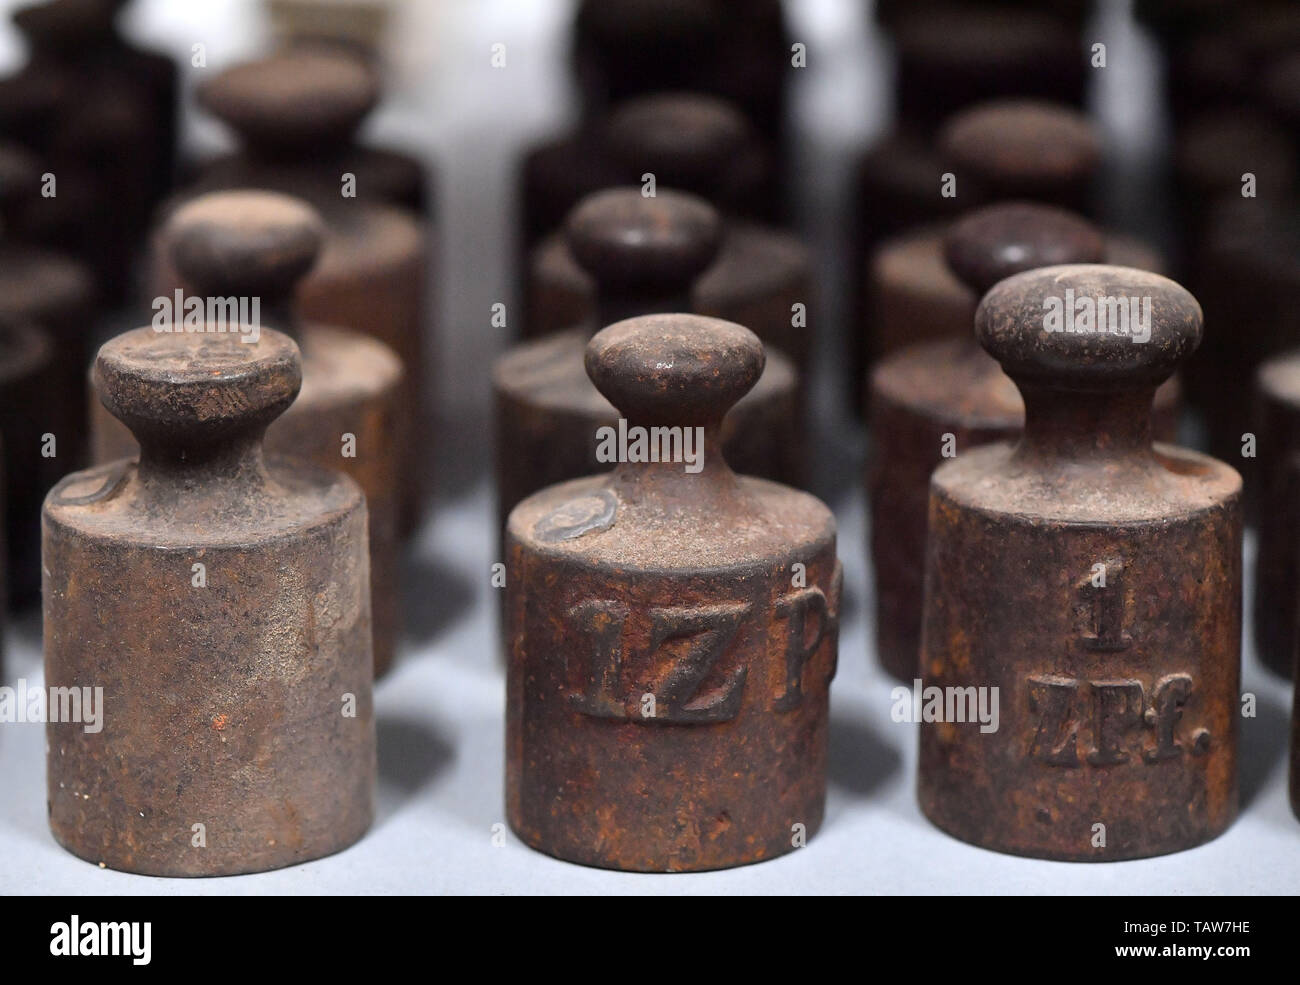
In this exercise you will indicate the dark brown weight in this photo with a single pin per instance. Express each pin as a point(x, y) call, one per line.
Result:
point(672, 635)
point(1215, 150)
point(221, 601)
point(644, 254)
point(1000, 150)
point(1223, 65)
point(1248, 276)
point(1024, 148)
point(890, 12)
point(761, 273)
point(933, 400)
point(950, 56)
point(1092, 578)
point(918, 298)
point(259, 245)
point(108, 135)
point(296, 113)
point(48, 298)
point(28, 376)
point(1277, 475)
point(689, 141)
point(624, 49)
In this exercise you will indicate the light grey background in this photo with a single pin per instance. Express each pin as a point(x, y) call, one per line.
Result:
point(440, 710)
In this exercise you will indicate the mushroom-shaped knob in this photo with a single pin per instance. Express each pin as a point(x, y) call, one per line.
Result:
point(995, 242)
point(674, 370)
point(244, 243)
point(187, 393)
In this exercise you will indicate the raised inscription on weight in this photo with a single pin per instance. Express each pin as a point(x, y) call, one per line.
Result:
point(798, 609)
point(680, 664)
point(679, 660)
point(1112, 720)
point(1103, 594)
point(696, 640)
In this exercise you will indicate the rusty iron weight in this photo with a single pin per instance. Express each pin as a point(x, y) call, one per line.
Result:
point(557, 174)
point(1024, 148)
point(299, 110)
point(220, 598)
point(1094, 579)
point(623, 49)
point(916, 297)
point(349, 416)
point(295, 113)
point(690, 143)
point(932, 400)
point(644, 254)
point(910, 186)
point(672, 634)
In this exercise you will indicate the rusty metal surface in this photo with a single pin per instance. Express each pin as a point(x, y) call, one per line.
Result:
point(669, 667)
point(996, 150)
point(759, 275)
point(645, 254)
point(296, 113)
point(1095, 580)
point(700, 145)
point(232, 244)
point(373, 272)
point(689, 141)
point(303, 106)
point(928, 394)
point(223, 704)
point(917, 298)
point(1024, 148)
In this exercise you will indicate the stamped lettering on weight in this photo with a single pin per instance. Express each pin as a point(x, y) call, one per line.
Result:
point(680, 661)
point(1112, 722)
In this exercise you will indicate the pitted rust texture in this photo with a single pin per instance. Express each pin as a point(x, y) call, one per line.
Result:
point(932, 400)
point(1277, 557)
point(1023, 148)
point(644, 254)
point(242, 704)
point(295, 113)
point(668, 683)
point(1095, 580)
point(261, 244)
point(950, 56)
